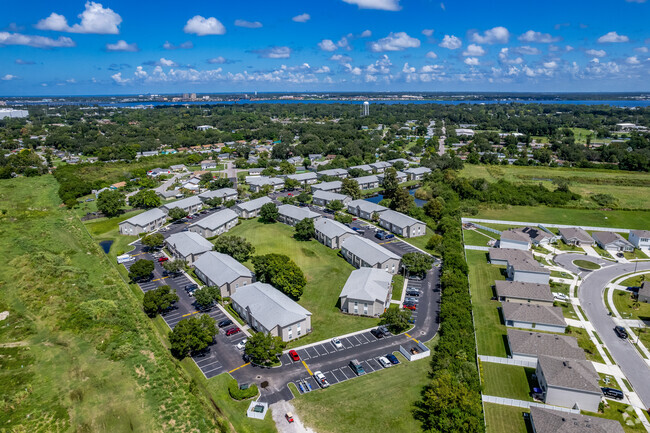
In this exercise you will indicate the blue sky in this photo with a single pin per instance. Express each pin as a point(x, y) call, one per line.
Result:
point(132, 47)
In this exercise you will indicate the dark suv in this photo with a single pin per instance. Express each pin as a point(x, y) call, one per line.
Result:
point(621, 332)
point(613, 393)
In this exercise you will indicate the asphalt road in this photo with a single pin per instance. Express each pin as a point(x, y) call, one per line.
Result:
point(591, 295)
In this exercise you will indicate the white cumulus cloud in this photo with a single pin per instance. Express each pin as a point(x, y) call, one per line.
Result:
point(496, 35)
point(201, 26)
point(538, 37)
point(451, 42)
point(274, 53)
point(248, 24)
point(473, 50)
point(641, 49)
point(8, 77)
point(122, 45)
point(385, 5)
point(302, 18)
point(184, 46)
point(613, 37)
point(7, 38)
point(596, 53)
point(365, 34)
point(94, 19)
point(527, 50)
point(431, 55)
point(632, 60)
point(471, 61)
point(327, 45)
point(394, 42)
point(217, 60)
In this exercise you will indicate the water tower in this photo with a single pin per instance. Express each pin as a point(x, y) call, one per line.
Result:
point(365, 109)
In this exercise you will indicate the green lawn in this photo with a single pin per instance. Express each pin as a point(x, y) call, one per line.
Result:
point(326, 274)
point(490, 333)
point(615, 411)
point(586, 344)
point(398, 287)
point(628, 308)
point(604, 253)
point(379, 402)
point(586, 264)
point(560, 288)
point(563, 246)
point(635, 281)
point(510, 381)
point(567, 310)
point(558, 274)
point(420, 241)
point(501, 419)
point(636, 254)
point(473, 237)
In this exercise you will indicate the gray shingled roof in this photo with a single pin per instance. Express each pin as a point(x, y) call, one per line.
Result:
point(263, 180)
point(364, 167)
point(641, 233)
point(269, 306)
point(222, 193)
point(418, 170)
point(367, 179)
point(367, 206)
point(398, 219)
point(326, 186)
point(367, 284)
point(302, 176)
point(514, 235)
point(534, 233)
point(380, 164)
point(528, 265)
point(146, 218)
point(254, 204)
point(297, 213)
point(532, 313)
point(537, 343)
point(331, 228)
point(524, 290)
point(609, 237)
point(184, 203)
point(216, 220)
point(333, 172)
point(187, 243)
point(573, 373)
point(554, 421)
point(509, 254)
point(327, 195)
point(221, 268)
point(575, 233)
point(367, 250)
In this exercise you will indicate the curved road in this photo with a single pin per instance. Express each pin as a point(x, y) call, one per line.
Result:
point(591, 295)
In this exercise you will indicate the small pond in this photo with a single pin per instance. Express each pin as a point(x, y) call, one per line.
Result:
point(106, 246)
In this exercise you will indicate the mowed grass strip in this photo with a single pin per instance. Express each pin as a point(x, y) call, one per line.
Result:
point(510, 381)
point(501, 419)
point(490, 332)
point(325, 270)
point(473, 237)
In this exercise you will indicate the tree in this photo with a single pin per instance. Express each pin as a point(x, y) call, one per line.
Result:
point(207, 296)
point(214, 201)
point(174, 266)
point(434, 243)
point(269, 213)
point(140, 269)
point(335, 205)
point(236, 247)
point(230, 203)
point(111, 202)
point(177, 213)
point(158, 300)
point(306, 162)
point(375, 217)
point(281, 272)
point(206, 178)
point(402, 200)
point(192, 335)
point(263, 348)
point(434, 207)
point(291, 184)
point(350, 187)
point(147, 198)
point(220, 183)
point(390, 183)
point(305, 230)
point(417, 263)
point(343, 218)
point(154, 240)
point(303, 197)
point(397, 320)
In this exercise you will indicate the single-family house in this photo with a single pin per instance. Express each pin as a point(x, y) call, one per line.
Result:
point(643, 295)
point(332, 233)
point(533, 316)
point(187, 246)
point(513, 239)
point(367, 292)
point(546, 420)
point(380, 166)
point(500, 256)
point(178, 168)
point(221, 270)
point(365, 209)
point(401, 224)
point(314, 156)
point(640, 238)
point(292, 215)
point(208, 164)
point(295, 160)
point(307, 178)
point(268, 310)
point(527, 270)
point(528, 345)
point(341, 173)
point(363, 167)
point(190, 204)
point(333, 186)
point(569, 383)
point(145, 222)
point(251, 209)
point(255, 171)
point(612, 241)
point(322, 198)
point(256, 184)
point(522, 292)
point(215, 224)
point(368, 182)
point(575, 236)
point(401, 177)
point(417, 173)
point(404, 161)
point(225, 194)
point(364, 253)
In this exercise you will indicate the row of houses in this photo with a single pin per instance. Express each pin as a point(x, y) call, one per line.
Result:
point(396, 222)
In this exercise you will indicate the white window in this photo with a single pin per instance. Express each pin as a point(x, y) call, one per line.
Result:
point(290, 333)
point(298, 329)
point(365, 308)
point(356, 307)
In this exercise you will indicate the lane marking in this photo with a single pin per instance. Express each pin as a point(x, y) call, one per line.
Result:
point(160, 279)
point(241, 366)
point(411, 337)
point(189, 314)
point(308, 370)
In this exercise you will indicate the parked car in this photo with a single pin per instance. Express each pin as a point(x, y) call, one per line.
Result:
point(191, 287)
point(384, 330)
point(392, 358)
point(380, 235)
point(412, 293)
point(410, 306)
point(232, 331)
point(560, 297)
point(415, 277)
point(356, 229)
point(337, 343)
point(294, 355)
point(321, 380)
point(384, 362)
point(389, 236)
point(411, 300)
point(377, 333)
point(613, 393)
point(357, 367)
point(620, 255)
point(163, 259)
point(224, 323)
point(621, 332)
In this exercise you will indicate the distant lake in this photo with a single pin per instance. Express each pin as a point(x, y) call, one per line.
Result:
point(380, 197)
point(106, 246)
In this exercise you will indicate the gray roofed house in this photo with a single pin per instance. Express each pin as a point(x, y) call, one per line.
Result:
point(644, 292)
point(575, 236)
point(331, 233)
point(518, 291)
point(406, 162)
point(223, 193)
point(147, 221)
point(514, 239)
point(336, 172)
point(292, 215)
point(322, 198)
point(221, 270)
point(191, 204)
point(364, 208)
point(612, 241)
point(367, 182)
point(257, 183)
point(215, 224)
point(307, 178)
point(187, 246)
point(268, 310)
point(527, 345)
point(417, 173)
point(500, 256)
point(250, 209)
point(178, 167)
point(366, 292)
point(364, 253)
point(362, 167)
point(546, 420)
point(569, 383)
point(380, 166)
point(520, 265)
point(333, 186)
point(206, 164)
point(538, 235)
point(529, 316)
point(640, 238)
point(401, 177)
point(401, 224)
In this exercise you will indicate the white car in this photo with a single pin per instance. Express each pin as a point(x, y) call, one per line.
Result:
point(242, 344)
point(560, 297)
point(384, 361)
point(321, 380)
point(337, 343)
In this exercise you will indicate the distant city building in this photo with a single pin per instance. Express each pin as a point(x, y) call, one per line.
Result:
point(14, 114)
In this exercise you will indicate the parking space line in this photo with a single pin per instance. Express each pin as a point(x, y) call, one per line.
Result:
point(241, 366)
point(367, 340)
point(189, 314)
point(305, 364)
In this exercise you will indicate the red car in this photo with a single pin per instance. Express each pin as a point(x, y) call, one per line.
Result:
point(162, 259)
point(294, 355)
point(232, 331)
point(409, 306)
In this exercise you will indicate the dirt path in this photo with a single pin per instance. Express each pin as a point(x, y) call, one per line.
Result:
point(278, 410)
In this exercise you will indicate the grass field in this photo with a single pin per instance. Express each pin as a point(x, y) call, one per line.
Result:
point(420, 241)
point(473, 237)
point(510, 381)
point(500, 419)
point(636, 281)
point(379, 402)
point(325, 270)
point(398, 287)
point(87, 358)
point(615, 411)
point(586, 264)
point(628, 308)
point(490, 333)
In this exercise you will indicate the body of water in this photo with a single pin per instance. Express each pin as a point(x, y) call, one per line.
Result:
point(106, 246)
point(380, 197)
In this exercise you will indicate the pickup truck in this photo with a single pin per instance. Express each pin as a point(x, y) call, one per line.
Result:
point(321, 380)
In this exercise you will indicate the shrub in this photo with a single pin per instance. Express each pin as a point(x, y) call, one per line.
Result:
point(241, 394)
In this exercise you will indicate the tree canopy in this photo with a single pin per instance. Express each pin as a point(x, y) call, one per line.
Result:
point(263, 348)
point(158, 300)
point(417, 263)
point(281, 272)
point(269, 212)
point(177, 213)
point(192, 335)
point(147, 199)
point(140, 269)
point(305, 230)
point(111, 202)
point(237, 247)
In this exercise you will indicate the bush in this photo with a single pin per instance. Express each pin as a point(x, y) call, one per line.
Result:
point(241, 394)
